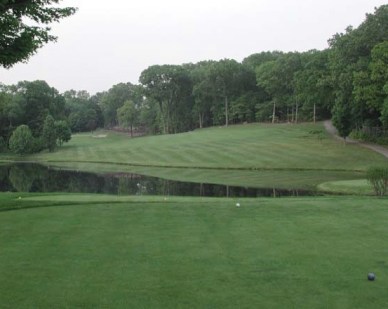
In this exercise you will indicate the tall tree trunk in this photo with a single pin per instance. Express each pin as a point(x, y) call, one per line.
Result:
point(314, 114)
point(163, 117)
point(288, 115)
point(131, 130)
point(200, 120)
point(273, 112)
point(296, 113)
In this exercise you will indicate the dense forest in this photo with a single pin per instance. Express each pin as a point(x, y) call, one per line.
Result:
point(347, 82)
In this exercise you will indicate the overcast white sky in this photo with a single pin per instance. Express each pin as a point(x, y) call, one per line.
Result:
point(108, 42)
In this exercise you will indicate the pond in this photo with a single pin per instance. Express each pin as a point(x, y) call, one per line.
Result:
point(29, 177)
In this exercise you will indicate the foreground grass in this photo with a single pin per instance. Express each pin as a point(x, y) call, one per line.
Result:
point(95, 251)
point(255, 146)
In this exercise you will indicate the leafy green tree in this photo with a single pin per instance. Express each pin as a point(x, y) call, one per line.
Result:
point(114, 98)
point(36, 100)
point(342, 119)
point(353, 58)
point(128, 115)
point(277, 79)
point(245, 107)
point(227, 77)
point(63, 132)
point(171, 87)
point(204, 92)
point(149, 118)
point(21, 140)
point(255, 60)
point(23, 30)
point(49, 134)
point(312, 85)
point(82, 111)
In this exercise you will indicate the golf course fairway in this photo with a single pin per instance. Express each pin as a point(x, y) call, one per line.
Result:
point(100, 251)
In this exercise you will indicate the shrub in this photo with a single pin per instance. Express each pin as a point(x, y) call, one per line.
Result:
point(378, 178)
point(21, 140)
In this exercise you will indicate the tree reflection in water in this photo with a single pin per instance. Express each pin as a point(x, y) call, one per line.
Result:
point(28, 177)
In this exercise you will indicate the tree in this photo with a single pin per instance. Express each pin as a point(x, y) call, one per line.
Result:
point(37, 100)
point(21, 140)
point(82, 111)
point(227, 73)
point(23, 30)
point(312, 85)
point(276, 77)
point(149, 118)
point(128, 115)
point(114, 98)
point(342, 119)
point(356, 59)
point(63, 132)
point(49, 133)
point(255, 60)
point(171, 87)
point(204, 92)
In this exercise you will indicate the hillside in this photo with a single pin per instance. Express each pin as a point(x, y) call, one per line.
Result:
point(254, 146)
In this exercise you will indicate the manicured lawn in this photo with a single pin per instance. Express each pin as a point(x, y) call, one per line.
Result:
point(356, 187)
point(96, 251)
point(254, 146)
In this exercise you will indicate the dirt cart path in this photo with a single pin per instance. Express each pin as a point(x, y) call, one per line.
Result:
point(333, 131)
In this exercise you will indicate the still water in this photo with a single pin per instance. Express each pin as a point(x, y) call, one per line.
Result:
point(28, 177)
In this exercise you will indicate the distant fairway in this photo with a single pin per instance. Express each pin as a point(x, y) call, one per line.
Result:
point(96, 251)
point(254, 146)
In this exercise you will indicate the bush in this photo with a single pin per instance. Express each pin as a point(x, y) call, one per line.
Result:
point(21, 140)
point(378, 177)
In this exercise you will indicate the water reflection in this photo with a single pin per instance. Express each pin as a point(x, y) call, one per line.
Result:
point(29, 177)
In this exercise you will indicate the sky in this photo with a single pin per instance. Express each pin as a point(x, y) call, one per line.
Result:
point(109, 42)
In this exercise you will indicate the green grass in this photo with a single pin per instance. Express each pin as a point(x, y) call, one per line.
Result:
point(255, 146)
point(280, 179)
point(356, 187)
point(256, 155)
point(97, 251)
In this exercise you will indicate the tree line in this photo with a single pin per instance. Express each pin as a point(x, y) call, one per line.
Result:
point(347, 82)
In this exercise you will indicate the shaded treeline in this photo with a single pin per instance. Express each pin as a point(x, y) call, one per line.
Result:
point(347, 81)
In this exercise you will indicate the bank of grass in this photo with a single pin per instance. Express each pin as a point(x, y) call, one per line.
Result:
point(97, 251)
point(280, 179)
point(253, 146)
point(355, 187)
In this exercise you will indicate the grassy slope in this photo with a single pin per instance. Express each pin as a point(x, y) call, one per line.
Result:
point(255, 146)
point(256, 155)
point(126, 252)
